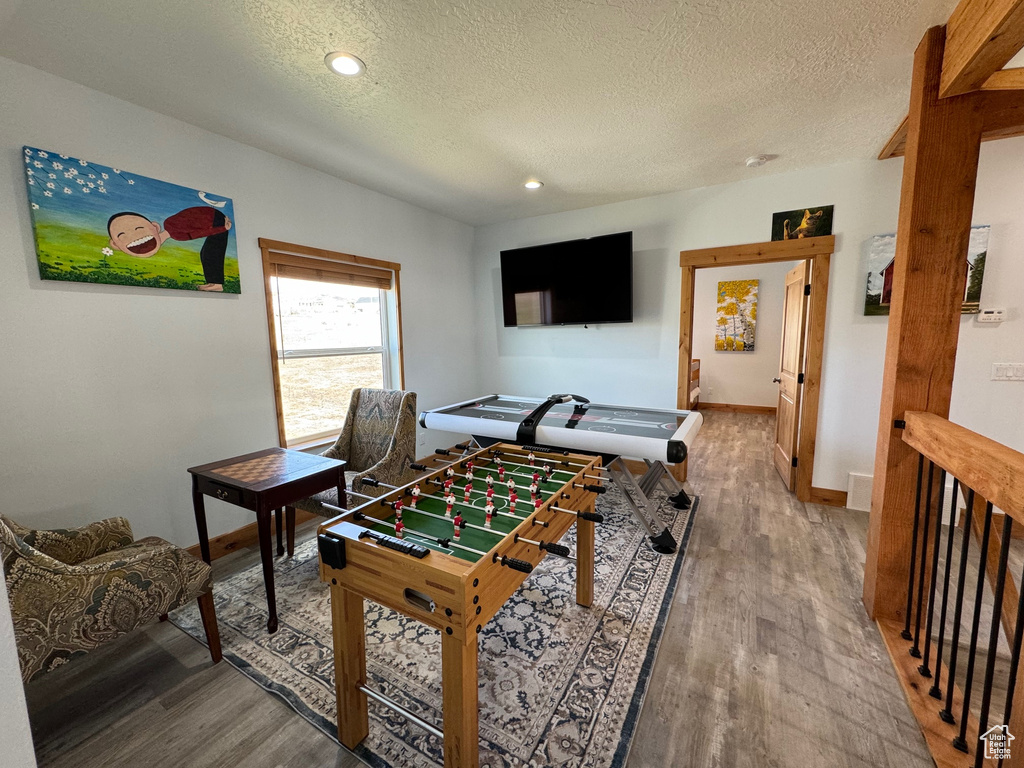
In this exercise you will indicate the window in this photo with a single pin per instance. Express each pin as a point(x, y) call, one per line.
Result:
point(334, 323)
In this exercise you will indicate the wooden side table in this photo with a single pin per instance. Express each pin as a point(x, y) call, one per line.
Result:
point(265, 481)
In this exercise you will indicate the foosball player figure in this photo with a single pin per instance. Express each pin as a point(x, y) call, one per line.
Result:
point(415, 496)
point(536, 476)
point(537, 504)
point(458, 526)
point(533, 491)
point(469, 488)
point(512, 499)
point(450, 472)
point(501, 474)
point(450, 501)
point(531, 458)
point(489, 513)
point(511, 485)
point(399, 528)
point(398, 509)
point(490, 495)
point(547, 472)
point(469, 469)
point(448, 486)
point(490, 480)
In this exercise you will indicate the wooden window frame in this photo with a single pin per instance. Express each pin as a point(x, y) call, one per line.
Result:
point(325, 265)
point(816, 250)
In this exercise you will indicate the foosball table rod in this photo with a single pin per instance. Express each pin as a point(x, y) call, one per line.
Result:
point(594, 517)
point(546, 546)
point(420, 467)
point(396, 707)
point(437, 498)
point(530, 448)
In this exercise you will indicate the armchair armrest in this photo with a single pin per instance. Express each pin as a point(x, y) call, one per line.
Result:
point(73, 545)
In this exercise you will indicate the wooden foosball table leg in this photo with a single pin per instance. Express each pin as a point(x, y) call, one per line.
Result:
point(460, 683)
point(349, 665)
point(585, 560)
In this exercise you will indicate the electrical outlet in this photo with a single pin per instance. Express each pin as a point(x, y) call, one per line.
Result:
point(994, 315)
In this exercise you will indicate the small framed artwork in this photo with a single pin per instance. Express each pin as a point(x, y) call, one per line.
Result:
point(736, 317)
point(97, 224)
point(882, 254)
point(803, 222)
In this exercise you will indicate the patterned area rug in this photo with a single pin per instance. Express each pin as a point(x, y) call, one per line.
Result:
point(560, 685)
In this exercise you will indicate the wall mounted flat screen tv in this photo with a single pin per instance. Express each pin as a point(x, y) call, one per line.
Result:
point(570, 283)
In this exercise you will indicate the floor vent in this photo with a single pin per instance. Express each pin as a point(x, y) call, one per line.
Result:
point(858, 492)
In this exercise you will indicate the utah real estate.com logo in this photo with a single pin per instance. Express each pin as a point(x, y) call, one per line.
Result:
point(997, 742)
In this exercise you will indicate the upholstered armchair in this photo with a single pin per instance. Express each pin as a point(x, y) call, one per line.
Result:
point(73, 590)
point(378, 440)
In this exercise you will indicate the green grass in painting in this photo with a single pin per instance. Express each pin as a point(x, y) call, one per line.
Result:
point(74, 253)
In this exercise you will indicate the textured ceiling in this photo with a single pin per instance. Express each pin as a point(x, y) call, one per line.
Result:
point(603, 100)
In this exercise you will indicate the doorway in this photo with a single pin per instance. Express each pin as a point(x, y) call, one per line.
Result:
point(814, 253)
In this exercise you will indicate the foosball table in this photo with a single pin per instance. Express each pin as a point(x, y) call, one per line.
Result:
point(448, 550)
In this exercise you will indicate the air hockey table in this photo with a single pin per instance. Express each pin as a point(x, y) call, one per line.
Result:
point(571, 422)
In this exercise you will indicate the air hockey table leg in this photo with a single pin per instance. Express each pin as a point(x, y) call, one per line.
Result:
point(643, 508)
point(677, 496)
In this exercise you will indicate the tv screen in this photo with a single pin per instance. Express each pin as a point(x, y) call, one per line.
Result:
point(575, 282)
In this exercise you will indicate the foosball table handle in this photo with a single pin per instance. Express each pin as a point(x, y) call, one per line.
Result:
point(595, 488)
point(418, 467)
point(462, 446)
point(515, 564)
point(532, 448)
point(442, 452)
point(371, 481)
point(556, 549)
point(593, 517)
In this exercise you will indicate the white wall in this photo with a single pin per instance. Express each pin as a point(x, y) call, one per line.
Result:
point(637, 363)
point(740, 378)
point(110, 393)
point(15, 734)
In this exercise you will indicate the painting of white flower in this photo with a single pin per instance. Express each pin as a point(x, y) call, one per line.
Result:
point(135, 230)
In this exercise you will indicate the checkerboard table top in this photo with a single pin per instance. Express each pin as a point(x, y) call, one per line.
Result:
point(266, 468)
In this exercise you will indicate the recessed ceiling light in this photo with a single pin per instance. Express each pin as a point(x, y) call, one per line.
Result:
point(533, 184)
point(346, 64)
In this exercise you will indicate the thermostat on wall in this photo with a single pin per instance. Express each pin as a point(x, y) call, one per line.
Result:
point(995, 315)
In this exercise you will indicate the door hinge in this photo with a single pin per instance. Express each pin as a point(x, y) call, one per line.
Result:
point(807, 290)
point(800, 378)
point(794, 461)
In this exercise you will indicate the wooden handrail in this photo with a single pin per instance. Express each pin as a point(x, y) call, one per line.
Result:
point(993, 470)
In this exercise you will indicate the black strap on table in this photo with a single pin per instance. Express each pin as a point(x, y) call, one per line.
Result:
point(527, 432)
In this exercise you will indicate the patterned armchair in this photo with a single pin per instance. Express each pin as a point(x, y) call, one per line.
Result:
point(378, 440)
point(76, 589)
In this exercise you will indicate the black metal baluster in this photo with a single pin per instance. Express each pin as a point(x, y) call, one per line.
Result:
point(1018, 636)
point(993, 634)
point(934, 577)
point(913, 551)
point(915, 650)
point(960, 742)
point(954, 642)
point(936, 691)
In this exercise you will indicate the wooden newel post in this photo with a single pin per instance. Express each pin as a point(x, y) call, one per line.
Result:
point(936, 202)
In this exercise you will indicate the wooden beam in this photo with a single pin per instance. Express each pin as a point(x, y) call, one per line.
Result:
point(936, 202)
point(1005, 80)
point(685, 338)
point(759, 253)
point(994, 471)
point(896, 146)
point(981, 37)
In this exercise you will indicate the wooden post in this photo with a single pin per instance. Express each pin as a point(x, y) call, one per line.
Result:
point(936, 201)
point(685, 338)
point(349, 665)
point(585, 560)
point(460, 700)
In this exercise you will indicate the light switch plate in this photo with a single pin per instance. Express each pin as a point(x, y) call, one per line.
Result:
point(1007, 371)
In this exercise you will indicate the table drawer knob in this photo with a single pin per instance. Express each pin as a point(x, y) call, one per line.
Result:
point(221, 494)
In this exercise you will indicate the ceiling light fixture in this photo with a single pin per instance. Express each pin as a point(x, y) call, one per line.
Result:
point(341, 63)
point(756, 161)
point(533, 184)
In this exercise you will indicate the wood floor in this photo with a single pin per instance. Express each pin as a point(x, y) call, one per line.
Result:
point(768, 658)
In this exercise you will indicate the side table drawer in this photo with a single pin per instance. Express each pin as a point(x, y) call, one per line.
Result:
point(218, 491)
